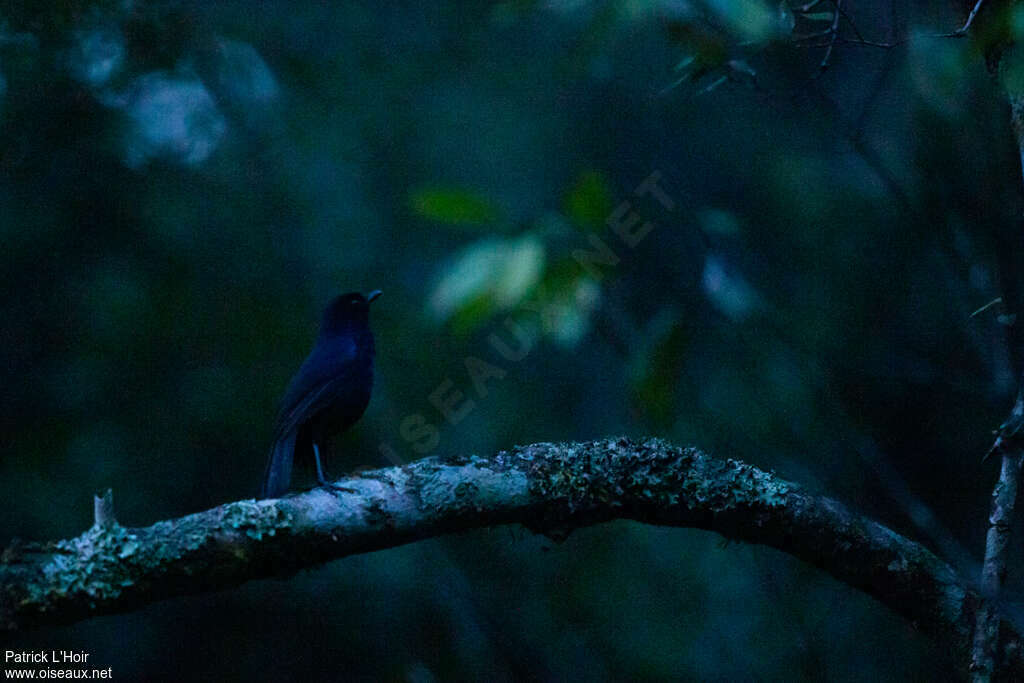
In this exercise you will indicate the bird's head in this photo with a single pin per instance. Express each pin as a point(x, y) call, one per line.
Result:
point(348, 310)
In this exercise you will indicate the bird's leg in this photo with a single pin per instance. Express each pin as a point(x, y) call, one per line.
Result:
point(320, 473)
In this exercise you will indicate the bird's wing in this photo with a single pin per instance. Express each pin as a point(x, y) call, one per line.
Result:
point(312, 383)
point(316, 397)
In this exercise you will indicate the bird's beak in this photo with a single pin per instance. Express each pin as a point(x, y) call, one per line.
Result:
point(373, 295)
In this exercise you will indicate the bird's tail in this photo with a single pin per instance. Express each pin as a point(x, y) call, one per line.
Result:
point(279, 467)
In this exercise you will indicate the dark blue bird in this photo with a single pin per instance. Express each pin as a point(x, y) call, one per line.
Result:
point(329, 392)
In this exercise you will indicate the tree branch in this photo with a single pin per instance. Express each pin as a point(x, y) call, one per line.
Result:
point(986, 634)
point(550, 488)
point(1010, 445)
point(1009, 64)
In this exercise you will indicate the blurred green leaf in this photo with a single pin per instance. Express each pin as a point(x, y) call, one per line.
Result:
point(453, 206)
point(489, 275)
point(567, 316)
point(471, 314)
point(751, 20)
point(589, 201)
point(684, 62)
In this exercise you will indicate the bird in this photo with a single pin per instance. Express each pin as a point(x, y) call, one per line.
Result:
point(328, 394)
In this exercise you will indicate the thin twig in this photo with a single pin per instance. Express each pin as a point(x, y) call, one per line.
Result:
point(872, 43)
point(825, 33)
point(990, 304)
point(849, 20)
point(962, 31)
point(835, 35)
point(832, 33)
point(803, 9)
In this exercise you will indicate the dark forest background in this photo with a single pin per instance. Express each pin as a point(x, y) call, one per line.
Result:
point(184, 185)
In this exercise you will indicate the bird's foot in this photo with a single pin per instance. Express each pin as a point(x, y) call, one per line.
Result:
point(322, 478)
